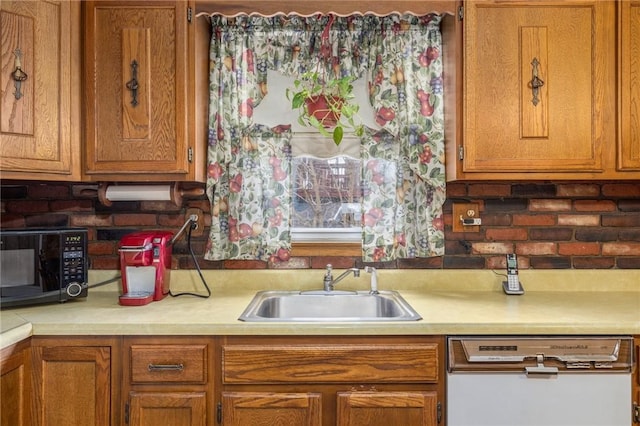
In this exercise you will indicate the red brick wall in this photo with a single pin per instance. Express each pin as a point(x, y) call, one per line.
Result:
point(563, 225)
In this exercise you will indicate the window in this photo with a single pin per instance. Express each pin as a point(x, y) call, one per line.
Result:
point(249, 171)
point(325, 179)
point(326, 199)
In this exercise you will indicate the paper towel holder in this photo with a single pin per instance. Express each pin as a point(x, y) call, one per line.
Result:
point(109, 192)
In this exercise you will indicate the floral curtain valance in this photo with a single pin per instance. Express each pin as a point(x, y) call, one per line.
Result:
point(400, 55)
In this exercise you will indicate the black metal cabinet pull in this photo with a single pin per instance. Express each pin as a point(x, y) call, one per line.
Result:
point(165, 367)
point(132, 84)
point(536, 82)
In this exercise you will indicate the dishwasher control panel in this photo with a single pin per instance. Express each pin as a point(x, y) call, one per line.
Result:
point(540, 354)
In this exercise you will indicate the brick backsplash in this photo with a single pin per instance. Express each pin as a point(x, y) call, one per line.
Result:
point(580, 225)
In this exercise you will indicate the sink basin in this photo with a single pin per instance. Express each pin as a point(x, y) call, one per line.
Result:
point(328, 306)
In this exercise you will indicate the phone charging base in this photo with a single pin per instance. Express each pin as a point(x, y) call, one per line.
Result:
point(517, 291)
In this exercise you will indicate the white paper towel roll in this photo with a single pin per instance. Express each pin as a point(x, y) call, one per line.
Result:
point(139, 193)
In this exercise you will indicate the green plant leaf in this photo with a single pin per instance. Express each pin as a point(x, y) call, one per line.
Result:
point(298, 100)
point(338, 132)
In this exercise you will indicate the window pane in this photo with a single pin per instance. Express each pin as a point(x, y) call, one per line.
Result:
point(326, 192)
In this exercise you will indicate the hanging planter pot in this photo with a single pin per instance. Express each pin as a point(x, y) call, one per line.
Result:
point(322, 103)
point(325, 108)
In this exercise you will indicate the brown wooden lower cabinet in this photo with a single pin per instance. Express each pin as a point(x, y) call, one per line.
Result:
point(168, 381)
point(229, 381)
point(73, 381)
point(348, 408)
point(329, 380)
point(15, 385)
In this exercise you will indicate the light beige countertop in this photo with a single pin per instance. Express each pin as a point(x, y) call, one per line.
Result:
point(450, 302)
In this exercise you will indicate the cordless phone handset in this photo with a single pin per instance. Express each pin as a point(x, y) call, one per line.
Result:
point(512, 285)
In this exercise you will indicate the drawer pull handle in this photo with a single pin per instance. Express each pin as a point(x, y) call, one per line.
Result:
point(165, 367)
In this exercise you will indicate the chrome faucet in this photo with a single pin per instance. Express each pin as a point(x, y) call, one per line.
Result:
point(329, 282)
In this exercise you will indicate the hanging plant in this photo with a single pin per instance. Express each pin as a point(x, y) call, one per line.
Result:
point(327, 105)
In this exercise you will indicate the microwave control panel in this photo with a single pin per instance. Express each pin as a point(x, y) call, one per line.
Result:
point(74, 248)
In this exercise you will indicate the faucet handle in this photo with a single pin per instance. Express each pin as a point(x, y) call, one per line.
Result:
point(329, 269)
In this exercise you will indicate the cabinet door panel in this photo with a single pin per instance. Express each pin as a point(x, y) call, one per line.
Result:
point(629, 24)
point(560, 49)
point(168, 409)
point(387, 408)
point(268, 409)
point(74, 385)
point(39, 118)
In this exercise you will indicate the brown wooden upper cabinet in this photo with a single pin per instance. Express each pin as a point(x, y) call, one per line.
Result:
point(140, 81)
point(540, 91)
point(629, 77)
point(40, 79)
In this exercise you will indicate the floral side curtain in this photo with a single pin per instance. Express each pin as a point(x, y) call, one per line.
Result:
point(403, 171)
point(400, 55)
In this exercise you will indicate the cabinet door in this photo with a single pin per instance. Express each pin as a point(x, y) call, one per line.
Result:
point(137, 82)
point(40, 114)
point(73, 385)
point(271, 408)
point(387, 408)
point(15, 386)
point(168, 409)
point(629, 24)
point(539, 87)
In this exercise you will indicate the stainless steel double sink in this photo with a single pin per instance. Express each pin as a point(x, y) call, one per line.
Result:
point(352, 306)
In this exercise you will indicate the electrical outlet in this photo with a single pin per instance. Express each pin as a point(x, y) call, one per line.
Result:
point(466, 217)
point(199, 229)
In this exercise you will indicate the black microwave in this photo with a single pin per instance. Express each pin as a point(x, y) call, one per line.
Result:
point(42, 265)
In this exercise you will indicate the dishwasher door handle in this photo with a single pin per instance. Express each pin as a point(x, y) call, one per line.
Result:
point(540, 368)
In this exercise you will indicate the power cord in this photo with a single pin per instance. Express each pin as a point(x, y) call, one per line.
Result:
point(110, 280)
point(499, 274)
point(193, 256)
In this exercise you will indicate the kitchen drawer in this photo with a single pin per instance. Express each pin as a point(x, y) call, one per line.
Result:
point(168, 363)
point(331, 363)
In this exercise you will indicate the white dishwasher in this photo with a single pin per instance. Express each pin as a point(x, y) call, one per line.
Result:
point(539, 381)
